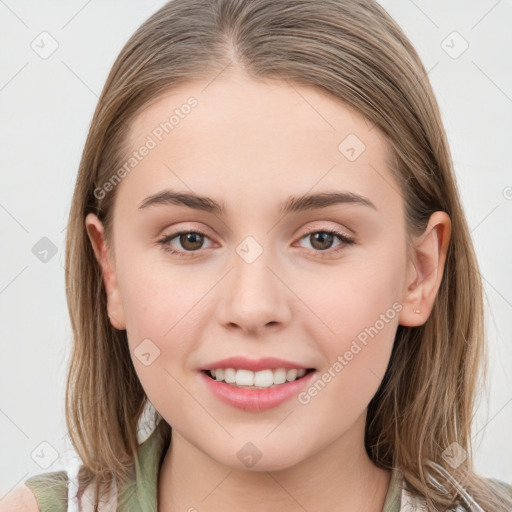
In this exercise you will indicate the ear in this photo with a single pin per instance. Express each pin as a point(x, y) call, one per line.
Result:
point(425, 270)
point(96, 235)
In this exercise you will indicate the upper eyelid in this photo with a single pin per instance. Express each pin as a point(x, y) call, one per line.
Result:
point(317, 226)
point(313, 229)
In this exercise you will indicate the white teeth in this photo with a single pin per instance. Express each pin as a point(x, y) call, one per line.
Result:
point(244, 378)
point(257, 380)
point(229, 375)
point(280, 376)
point(291, 375)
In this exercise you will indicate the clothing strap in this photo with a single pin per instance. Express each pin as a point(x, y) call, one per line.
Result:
point(86, 502)
point(410, 503)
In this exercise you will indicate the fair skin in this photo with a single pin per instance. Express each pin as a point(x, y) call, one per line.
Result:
point(21, 499)
point(251, 145)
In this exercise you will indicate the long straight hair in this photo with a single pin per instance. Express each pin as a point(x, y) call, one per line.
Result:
point(353, 50)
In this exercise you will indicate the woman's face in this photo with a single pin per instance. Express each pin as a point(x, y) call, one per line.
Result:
point(264, 279)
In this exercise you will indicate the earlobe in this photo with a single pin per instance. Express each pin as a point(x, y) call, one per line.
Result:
point(425, 270)
point(95, 232)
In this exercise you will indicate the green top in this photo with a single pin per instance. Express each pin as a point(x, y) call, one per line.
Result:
point(51, 489)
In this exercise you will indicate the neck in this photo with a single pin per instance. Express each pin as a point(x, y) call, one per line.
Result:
point(339, 477)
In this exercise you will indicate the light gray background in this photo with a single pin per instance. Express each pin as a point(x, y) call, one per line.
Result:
point(46, 107)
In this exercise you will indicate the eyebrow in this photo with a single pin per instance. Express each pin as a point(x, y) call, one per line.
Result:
point(292, 204)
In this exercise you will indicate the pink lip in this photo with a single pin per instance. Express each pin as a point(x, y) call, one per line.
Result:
point(255, 399)
point(255, 365)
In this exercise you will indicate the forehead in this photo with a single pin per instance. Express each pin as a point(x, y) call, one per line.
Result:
point(255, 142)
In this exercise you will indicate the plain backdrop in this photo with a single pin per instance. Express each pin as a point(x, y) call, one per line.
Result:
point(46, 104)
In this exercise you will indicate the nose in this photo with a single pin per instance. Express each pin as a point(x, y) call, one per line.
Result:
point(253, 298)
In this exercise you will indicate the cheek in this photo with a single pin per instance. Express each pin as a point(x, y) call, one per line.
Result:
point(364, 311)
point(349, 300)
point(356, 362)
point(359, 308)
point(164, 319)
point(158, 298)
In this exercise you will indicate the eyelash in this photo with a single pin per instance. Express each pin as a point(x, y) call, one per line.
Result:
point(187, 254)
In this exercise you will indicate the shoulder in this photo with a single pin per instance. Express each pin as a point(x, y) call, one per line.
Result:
point(21, 499)
point(46, 492)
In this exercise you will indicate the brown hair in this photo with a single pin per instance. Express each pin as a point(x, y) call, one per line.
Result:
point(353, 50)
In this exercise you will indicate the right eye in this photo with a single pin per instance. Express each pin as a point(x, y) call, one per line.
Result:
point(191, 241)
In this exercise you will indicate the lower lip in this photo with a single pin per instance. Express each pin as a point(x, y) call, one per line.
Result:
point(256, 399)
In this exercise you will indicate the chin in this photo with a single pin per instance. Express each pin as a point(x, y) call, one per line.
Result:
point(259, 456)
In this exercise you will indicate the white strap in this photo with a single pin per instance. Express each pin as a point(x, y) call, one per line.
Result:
point(72, 471)
point(86, 501)
point(410, 503)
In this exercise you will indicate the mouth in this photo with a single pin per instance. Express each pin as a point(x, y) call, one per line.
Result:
point(256, 391)
point(264, 379)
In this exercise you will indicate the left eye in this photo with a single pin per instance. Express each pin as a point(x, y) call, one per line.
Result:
point(322, 240)
point(192, 241)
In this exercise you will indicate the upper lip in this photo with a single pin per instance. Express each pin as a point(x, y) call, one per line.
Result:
point(253, 364)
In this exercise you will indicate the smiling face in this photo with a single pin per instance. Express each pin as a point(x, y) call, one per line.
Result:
point(261, 279)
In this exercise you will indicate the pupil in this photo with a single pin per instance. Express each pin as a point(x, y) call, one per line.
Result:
point(322, 236)
point(190, 238)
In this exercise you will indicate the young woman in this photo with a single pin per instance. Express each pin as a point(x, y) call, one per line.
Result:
point(267, 249)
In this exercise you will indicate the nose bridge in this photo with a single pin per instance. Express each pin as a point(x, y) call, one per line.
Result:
point(251, 274)
point(250, 280)
point(252, 296)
